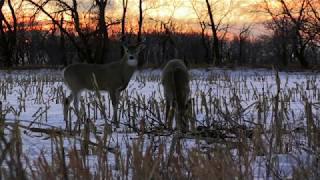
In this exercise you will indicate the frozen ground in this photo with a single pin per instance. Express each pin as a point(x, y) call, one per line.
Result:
point(35, 99)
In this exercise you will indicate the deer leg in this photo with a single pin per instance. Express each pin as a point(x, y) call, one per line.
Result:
point(169, 114)
point(182, 123)
point(115, 101)
point(185, 123)
point(67, 101)
point(75, 97)
point(66, 105)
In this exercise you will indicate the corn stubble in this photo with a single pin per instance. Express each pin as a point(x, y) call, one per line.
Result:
point(228, 134)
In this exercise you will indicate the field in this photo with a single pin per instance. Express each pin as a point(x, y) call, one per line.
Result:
point(247, 124)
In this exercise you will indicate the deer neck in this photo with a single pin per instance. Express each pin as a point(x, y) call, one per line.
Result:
point(127, 69)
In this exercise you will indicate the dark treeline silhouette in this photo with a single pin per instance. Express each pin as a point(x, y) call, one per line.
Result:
point(45, 48)
point(292, 39)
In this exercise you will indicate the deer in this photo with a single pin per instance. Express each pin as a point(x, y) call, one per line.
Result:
point(175, 81)
point(112, 77)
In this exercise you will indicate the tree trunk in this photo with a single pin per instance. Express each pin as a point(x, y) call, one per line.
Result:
point(63, 59)
point(216, 55)
point(302, 59)
point(123, 23)
point(215, 44)
point(284, 57)
point(241, 56)
point(102, 33)
point(8, 35)
point(205, 45)
point(140, 21)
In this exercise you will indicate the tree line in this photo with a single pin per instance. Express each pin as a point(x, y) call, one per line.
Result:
point(74, 33)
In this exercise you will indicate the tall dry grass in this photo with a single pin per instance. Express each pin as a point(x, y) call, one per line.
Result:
point(239, 124)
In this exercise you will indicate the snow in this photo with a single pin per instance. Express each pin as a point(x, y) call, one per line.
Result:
point(221, 84)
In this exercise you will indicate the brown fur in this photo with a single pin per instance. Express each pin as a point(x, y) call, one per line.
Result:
point(113, 77)
point(175, 81)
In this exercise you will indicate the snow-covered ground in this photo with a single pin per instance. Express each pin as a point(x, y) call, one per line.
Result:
point(35, 99)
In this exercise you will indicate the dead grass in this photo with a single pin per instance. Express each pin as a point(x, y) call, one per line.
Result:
point(225, 144)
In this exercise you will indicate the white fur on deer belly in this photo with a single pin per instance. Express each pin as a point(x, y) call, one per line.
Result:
point(132, 62)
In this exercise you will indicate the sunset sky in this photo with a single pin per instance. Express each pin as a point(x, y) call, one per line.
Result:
point(184, 13)
point(240, 11)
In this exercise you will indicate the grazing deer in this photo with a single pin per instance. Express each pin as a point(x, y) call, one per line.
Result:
point(113, 77)
point(175, 81)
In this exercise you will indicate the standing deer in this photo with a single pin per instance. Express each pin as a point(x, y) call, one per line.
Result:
point(175, 81)
point(113, 77)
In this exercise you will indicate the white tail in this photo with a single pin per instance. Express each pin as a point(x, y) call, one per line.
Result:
point(113, 77)
point(175, 81)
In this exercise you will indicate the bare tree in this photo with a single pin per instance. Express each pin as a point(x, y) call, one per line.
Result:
point(203, 26)
point(144, 6)
point(142, 11)
point(8, 34)
point(314, 18)
point(123, 20)
point(283, 39)
point(243, 38)
point(216, 51)
point(214, 21)
point(140, 21)
point(63, 45)
point(102, 34)
point(91, 43)
point(295, 14)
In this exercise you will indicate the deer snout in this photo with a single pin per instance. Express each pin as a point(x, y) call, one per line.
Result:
point(131, 57)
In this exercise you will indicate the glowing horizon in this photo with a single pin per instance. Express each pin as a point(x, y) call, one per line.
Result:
point(181, 13)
